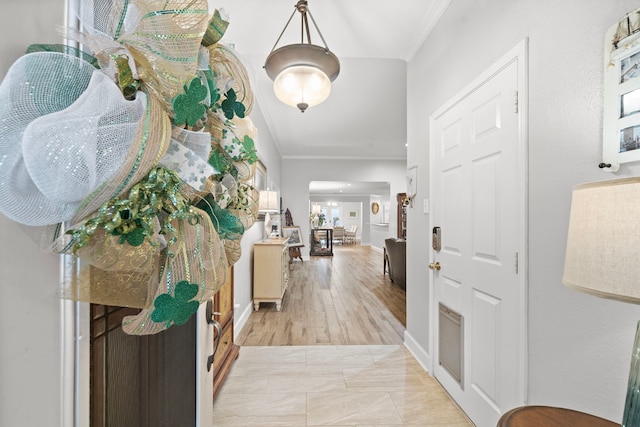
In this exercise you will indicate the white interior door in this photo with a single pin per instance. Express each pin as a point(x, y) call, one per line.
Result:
point(478, 177)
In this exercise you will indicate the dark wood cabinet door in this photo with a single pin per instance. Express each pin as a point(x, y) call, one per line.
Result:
point(141, 381)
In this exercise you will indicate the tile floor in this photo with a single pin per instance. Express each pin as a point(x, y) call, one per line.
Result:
point(332, 386)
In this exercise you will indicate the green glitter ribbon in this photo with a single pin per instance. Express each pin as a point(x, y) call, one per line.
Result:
point(127, 84)
point(133, 217)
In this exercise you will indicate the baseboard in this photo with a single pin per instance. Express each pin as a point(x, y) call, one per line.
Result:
point(377, 249)
point(241, 320)
point(417, 351)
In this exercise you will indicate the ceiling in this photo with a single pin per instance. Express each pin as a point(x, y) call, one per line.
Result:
point(340, 189)
point(365, 115)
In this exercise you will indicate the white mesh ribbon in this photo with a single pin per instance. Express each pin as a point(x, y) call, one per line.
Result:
point(64, 128)
point(71, 152)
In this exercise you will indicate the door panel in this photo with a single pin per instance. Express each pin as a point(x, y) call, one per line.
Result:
point(476, 191)
point(485, 215)
point(141, 381)
point(484, 335)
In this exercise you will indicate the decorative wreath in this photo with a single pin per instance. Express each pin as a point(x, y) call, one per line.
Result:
point(136, 153)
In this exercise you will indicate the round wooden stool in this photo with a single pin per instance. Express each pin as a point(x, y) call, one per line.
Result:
point(547, 416)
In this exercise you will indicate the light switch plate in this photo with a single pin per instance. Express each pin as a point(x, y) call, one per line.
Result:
point(425, 206)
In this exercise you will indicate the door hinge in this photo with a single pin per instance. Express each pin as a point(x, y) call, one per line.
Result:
point(515, 104)
point(517, 266)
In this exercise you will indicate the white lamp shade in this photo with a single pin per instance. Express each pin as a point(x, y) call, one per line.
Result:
point(302, 85)
point(268, 201)
point(603, 243)
point(302, 74)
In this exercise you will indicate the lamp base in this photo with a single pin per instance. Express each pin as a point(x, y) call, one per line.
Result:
point(267, 224)
point(631, 417)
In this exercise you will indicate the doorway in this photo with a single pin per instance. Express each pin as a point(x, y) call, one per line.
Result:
point(350, 202)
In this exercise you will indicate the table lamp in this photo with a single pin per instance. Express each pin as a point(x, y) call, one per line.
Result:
point(268, 203)
point(602, 257)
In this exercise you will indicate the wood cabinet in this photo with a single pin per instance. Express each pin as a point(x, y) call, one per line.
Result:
point(227, 351)
point(270, 271)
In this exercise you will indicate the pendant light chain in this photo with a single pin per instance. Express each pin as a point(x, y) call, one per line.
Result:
point(317, 29)
point(283, 30)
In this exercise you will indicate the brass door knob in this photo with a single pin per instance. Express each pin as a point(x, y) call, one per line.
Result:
point(434, 266)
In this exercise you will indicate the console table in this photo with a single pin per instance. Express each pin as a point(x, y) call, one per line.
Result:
point(321, 242)
point(270, 271)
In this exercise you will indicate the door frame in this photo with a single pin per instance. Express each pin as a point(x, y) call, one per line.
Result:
point(518, 54)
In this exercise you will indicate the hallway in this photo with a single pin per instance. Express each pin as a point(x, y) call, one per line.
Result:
point(333, 355)
point(339, 300)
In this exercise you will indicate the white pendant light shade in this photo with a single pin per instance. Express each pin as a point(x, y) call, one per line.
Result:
point(302, 73)
point(302, 87)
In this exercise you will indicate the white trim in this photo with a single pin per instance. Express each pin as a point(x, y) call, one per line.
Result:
point(82, 361)
point(375, 248)
point(74, 353)
point(420, 354)
point(522, 52)
point(520, 55)
point(67, 362)
point(240, 321)
point(428, 22)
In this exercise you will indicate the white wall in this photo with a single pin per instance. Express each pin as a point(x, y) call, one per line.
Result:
point(30, 362)
point(298, 173)
point(579, 345)
point(243, 269)
point(379, 232)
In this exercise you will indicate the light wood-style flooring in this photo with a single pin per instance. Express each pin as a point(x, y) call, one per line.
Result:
point(339, 300)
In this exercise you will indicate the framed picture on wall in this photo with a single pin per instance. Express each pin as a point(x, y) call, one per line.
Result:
point(260, 177)
point(621, 120)
point(259, 182)
point(353, 214)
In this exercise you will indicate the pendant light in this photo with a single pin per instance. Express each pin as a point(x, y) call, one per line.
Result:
point(302, 73)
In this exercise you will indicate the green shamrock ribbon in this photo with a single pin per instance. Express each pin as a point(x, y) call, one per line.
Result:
point(176, 310)
point(219, 161)
point(249, 152)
